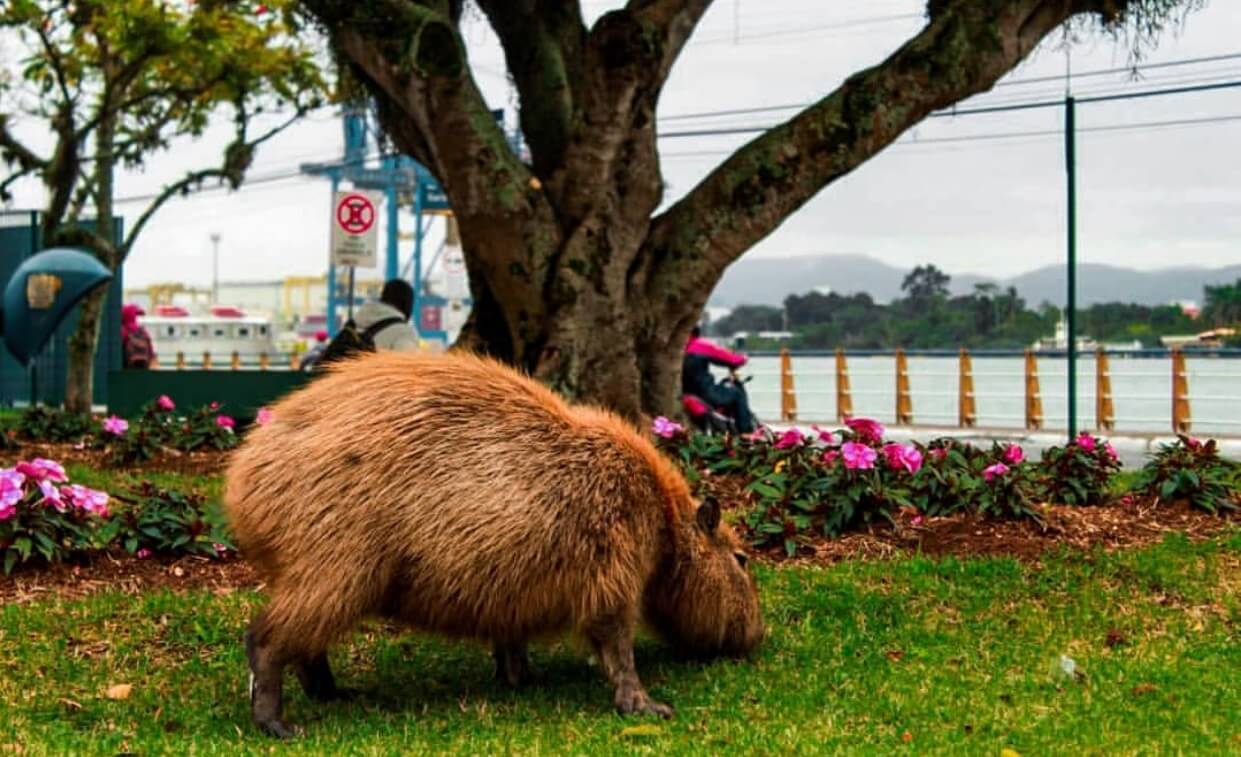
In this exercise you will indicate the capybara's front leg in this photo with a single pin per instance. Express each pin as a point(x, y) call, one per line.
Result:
point(613, 643)
point(266, 683)
point(512, 663)
point(317, 680)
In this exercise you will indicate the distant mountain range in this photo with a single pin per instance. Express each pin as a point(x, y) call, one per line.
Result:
point(767, 281)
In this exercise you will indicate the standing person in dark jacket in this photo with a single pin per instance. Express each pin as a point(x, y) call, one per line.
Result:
point(696, 379)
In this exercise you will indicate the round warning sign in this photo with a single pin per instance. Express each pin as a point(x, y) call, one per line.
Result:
point(355, 214)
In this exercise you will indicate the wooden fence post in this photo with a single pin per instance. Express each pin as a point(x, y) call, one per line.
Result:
point(206, 360)
point(1181, 418)
point(904, 402)
point(180, 361)
point(1104, 410)
point(1034, 399)
point(236, 362)
point(844, 397)
point(788, 398)
point(967, 411)
point(263, 361)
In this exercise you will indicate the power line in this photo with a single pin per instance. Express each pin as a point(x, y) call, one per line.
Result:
point(1010, 83)
point(999, 136)
point(1038, 104)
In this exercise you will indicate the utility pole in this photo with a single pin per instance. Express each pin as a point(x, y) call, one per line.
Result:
point(1070, 157)
point(215, 268)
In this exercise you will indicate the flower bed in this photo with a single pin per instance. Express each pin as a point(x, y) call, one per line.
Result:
point(794, 489)
point(159, 432)
point(47, 519)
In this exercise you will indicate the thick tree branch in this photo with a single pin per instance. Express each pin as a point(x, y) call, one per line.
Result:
point(542, 42)
point(964, 49)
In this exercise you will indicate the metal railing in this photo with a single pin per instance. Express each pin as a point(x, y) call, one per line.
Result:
point(1180, 400)
point(235, 361)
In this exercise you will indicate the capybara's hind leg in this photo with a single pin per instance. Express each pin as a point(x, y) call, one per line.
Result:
point(512, 663)
point(612, 639)
point(266, 680)
point(317, 680)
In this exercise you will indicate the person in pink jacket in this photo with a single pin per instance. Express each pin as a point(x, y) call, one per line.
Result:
point(696, 379)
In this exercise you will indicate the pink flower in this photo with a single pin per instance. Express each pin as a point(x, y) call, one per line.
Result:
point(904, 456)
point(830, 456)
point(115, 425)
point(1014, 454)
point(11, 482)
point(42, 469)
point(992, 471)
point(867, 429)
point(939, 453)
point(264, 416)
point(916, 521)
point(665, 428)
point(143, 553)
point(220, 549)
point(223, 421)
point(789, 439)
point(214, 405)
point(858, 456)
point(89, 500)
point(825, 436)
point(165, 403)
point(1126, 500)
point(1085, 441)
point(1192, 443)
point(758, 434)
point(1111, 451)
point(11, 492)
point(51, 497)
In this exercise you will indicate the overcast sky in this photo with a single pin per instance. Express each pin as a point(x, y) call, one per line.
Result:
point(1149, 197)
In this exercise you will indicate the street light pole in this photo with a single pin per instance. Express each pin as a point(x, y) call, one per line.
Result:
point(215, 268)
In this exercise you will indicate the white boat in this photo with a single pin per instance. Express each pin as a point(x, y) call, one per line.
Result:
point(221, 331)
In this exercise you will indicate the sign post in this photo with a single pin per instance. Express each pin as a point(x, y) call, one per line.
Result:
point(355, 235)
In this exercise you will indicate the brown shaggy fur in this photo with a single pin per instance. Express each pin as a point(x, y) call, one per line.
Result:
point(458, 496)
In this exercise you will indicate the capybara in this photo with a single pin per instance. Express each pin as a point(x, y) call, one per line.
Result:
point(454, 494)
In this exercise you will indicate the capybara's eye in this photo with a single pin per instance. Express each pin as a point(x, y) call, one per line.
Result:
point(742, 559)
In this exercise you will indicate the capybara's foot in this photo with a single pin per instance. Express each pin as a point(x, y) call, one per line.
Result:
point(275, 727)
point(635, 701)
point(513, 664)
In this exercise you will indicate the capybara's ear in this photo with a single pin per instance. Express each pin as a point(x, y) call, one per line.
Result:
point(709, 515)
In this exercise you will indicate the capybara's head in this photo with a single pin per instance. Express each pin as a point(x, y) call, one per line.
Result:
point(706, 603)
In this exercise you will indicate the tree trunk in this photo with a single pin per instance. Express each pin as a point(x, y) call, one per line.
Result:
point(79, 380)
point(80, 374)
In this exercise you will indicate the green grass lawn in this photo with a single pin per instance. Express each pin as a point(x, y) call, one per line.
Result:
point(910, 655)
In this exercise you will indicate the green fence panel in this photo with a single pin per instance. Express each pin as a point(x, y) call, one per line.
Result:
point(240, 393)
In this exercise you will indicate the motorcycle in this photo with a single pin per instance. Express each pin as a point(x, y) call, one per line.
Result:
point(715, 420)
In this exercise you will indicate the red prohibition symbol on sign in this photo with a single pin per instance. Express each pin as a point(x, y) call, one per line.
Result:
point(355, 214)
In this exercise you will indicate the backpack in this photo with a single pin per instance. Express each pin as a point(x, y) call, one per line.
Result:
point(137, 349)
point(350, 340)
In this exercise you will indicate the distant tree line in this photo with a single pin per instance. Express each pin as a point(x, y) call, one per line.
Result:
point(927, 317)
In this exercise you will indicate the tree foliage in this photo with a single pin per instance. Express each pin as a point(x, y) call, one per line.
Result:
point(115, 82)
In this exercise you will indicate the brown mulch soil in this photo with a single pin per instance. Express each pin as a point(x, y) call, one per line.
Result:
point(127, 574)
point(1113, 526)
point(205, 463)
point(1121, 524)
